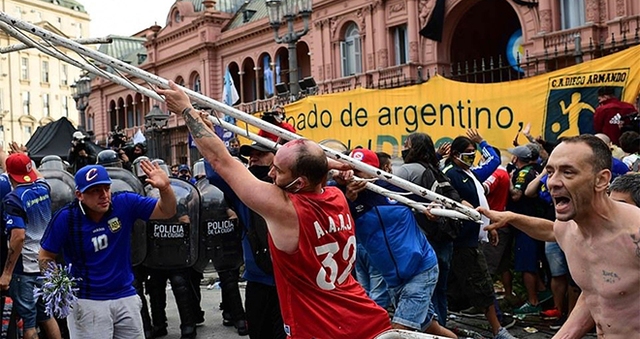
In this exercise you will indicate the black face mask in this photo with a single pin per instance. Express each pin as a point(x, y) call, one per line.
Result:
point(261, 172)
point(404, 153)
point(234, 151)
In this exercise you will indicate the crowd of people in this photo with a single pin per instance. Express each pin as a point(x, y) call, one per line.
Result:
point(326, 258)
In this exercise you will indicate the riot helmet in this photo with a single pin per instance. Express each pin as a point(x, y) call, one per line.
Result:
point(137, 170)
point(109, 158)
point(52, 162)
point(162, 165)
point(198, 169)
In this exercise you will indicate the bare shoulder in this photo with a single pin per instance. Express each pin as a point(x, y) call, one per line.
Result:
point(564, 230)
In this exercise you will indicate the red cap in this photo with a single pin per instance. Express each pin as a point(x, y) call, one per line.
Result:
point(366, 156)
point(20, 169)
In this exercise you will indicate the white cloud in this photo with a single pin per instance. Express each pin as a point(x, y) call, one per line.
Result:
point(125, 17)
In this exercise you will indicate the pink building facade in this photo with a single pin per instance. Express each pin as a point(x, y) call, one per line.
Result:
point(367, 43)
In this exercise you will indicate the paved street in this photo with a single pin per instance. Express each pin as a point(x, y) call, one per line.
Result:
point(213, 317)
point(213, 321)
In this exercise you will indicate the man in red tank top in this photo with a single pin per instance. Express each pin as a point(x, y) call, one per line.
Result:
point(311, 233)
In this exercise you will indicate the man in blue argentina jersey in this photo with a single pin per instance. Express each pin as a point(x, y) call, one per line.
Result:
point(94, 234)
point(26, 213)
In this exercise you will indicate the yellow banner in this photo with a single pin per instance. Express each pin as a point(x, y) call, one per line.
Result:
point(559, 103)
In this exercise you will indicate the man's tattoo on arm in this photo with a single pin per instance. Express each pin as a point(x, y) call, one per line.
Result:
point(198, 128)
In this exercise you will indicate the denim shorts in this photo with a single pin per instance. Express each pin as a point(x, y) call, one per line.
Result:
point(30, 309)
point(412, 300)
point(557, 260)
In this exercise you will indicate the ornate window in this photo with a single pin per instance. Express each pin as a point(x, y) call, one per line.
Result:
point(197, 86)
point(45, 105)
point(351, 51)
point(63, 74)
point(44, 72)
point(401, 44)
point(24, 68)
point(572, 13)
point(65, 106)
point(26, 103)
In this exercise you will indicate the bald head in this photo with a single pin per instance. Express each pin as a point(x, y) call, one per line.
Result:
point(307, 159)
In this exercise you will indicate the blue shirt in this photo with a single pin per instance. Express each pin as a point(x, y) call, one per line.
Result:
point(251, 272)
point(390, 234)
point(28, 207)
point(100, 252)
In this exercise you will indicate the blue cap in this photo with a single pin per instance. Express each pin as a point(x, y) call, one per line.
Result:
point(183, 167)
point(91, 175)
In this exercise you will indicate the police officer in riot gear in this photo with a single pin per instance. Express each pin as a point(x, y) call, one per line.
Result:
point(109, 158)
point(171, 251)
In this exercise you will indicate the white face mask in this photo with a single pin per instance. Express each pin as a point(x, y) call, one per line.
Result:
point(289, 185)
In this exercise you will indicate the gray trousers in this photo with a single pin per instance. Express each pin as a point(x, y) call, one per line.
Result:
point(106, 319)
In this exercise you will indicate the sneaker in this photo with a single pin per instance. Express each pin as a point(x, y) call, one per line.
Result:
point(507, 321)
point(503, 334)
point(159, 331)
point(558, 323)
point(241, 326)
point(527, 309)
point(200, 321)
point(544, 296)
point(471, 312)
point(464, 333)
point(553, 313)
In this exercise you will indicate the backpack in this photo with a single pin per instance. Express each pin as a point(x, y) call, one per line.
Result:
point(443, 229)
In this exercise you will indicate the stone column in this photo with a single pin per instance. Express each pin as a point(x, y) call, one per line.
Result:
point(544, 8)
point(413, 29)
point(592, 9)
point(240, 74)
point(380, 36)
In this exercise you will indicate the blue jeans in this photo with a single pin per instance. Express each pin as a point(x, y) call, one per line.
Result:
point(30, 309)
point(444, 251)
point(412, 300)
point(370, 279)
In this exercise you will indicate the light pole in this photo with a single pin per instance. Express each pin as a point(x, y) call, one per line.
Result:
point(289, 10)
point(81, 89)
point(154, 123)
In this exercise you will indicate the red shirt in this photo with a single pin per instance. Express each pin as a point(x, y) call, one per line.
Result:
point(319, 298)
point(605, 112)
point(283, 125)
point(498, 184)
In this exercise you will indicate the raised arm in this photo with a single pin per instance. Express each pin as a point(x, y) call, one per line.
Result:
point(166, 206)
point(537, 228)
point(266, 199)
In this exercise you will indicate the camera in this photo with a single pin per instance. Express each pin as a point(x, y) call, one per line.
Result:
point(272, 117)
point(117, 138)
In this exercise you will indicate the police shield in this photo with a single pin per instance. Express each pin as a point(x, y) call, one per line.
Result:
point(62, 185)
point(220, 235)
point(123, 180)
point(173, 243)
